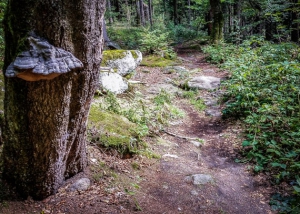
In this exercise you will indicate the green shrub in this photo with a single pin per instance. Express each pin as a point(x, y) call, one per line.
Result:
point(156, 42)
point(264, 89)
point(127, 37)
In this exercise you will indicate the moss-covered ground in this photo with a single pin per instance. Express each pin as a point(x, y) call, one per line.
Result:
point(156, 61)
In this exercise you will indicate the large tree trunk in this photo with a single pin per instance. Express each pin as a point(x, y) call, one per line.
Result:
point(45, 121)
point(218, 21)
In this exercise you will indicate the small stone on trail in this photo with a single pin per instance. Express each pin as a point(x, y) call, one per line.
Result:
point(171, 156)
point(194, 192)
point(201, 179)
point(94, 160)
point(210, 102)
point(81, 185)
point(204, 82)
point(172, 69)
point(213, 112)
point(168, 80)
point(196, 143)
point(208, 70)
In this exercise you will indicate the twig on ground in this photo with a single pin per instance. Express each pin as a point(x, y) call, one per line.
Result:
point(182, 137)
point(136, 82)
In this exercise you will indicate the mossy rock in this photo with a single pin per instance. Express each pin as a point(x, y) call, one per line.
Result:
point(112, 55)
point(122, 62)
point(156, 61)
point(113, 131)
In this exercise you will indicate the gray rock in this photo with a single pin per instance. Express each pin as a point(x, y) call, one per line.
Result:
point(194, 192)
point(80, 185)
point(210, 102)
point(122, 62)
point(113, 82)
point(172, 69)
point(200, 179)
point(156, 88)
point(213, 112)
point(204, 82)
point(170, 156)
point(196, 143)
point(208, 70)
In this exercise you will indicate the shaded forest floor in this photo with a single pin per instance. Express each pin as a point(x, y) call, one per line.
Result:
point(166, 185)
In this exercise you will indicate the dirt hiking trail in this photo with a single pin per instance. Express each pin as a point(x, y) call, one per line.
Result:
point(192, 176)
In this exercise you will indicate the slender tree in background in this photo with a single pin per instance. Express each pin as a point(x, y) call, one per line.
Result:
point(175, 12)
point(295, 20)
point(109, 10)
point(142, 12)
point(45, 120)
point(217, 21)
point(150, 12)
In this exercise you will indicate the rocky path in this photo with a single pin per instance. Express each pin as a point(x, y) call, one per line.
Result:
point(196, 173)
point(195, 177)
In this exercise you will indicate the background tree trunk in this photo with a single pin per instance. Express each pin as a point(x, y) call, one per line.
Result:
point(138, 13)
point(218, 21)
point(175, 11)
point(110, 19)
point(295, 33)
point(45, 121)
point(142, 14)
point(150, 12)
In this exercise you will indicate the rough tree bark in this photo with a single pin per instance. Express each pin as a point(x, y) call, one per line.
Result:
point(175, 12)
point(295, 32)
point(138, 13)
point(150, 12)
point(142, 12)
point(45, 121)
point(110, 19)
point(217, 21)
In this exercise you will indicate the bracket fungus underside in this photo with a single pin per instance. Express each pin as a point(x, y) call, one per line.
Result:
point(42, 62)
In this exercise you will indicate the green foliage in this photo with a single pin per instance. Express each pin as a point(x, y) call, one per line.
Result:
point(285, 204)
point(127, 37)
point(120, 124)
point(162, 98)
point(181, 33)
point(191, 95)
point(219, 53)
point(156, 42)
point(264, 89)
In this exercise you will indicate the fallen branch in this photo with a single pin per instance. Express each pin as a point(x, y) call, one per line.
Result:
point(182, 137)
point(136, 82)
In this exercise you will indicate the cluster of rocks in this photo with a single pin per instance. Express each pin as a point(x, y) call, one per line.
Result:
point(116, 68)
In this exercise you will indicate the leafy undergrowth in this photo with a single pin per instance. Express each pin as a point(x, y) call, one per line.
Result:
point(120, 123)
point(191, 95)
point(264, 90)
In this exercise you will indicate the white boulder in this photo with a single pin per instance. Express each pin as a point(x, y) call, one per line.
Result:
point(113, 82)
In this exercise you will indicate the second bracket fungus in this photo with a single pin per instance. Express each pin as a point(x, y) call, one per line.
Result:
point(43, 61)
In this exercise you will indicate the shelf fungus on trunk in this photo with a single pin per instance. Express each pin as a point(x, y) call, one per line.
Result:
point(43, 61)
